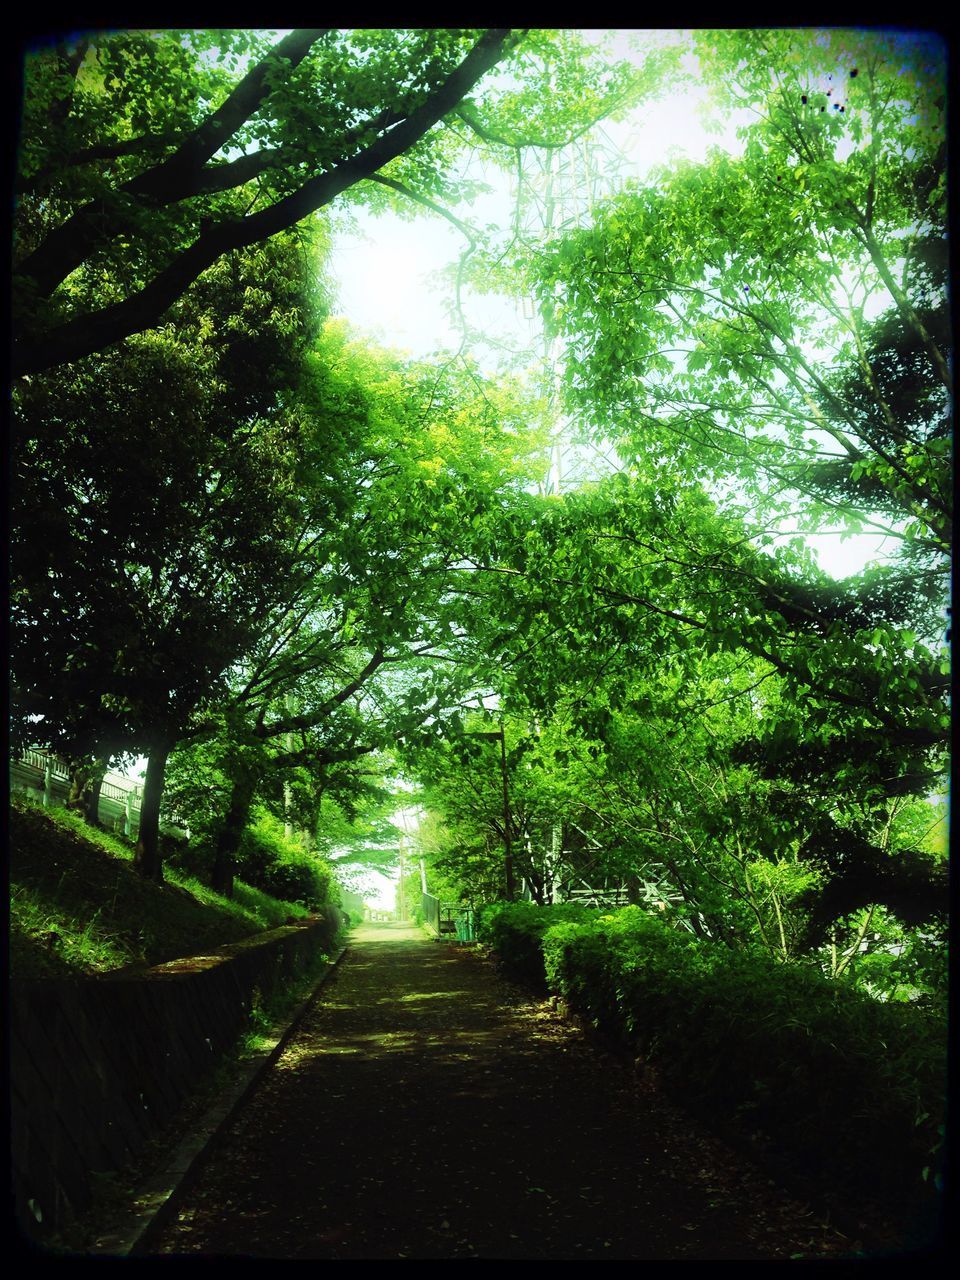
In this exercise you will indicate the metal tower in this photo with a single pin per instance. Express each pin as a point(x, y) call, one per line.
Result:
point(555, 191)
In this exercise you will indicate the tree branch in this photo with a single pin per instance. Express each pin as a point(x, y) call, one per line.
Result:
point(66, 247)
point(101, 151)
point(427, 203)
point(465, 114)
point(86, 334)
point(309, 720)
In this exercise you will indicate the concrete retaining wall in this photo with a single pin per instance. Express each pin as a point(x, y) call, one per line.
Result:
point(100, 1066)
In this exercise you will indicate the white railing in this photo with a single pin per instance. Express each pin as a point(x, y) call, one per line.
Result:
point(121, 797)
point(41, 761)
point(117, 791)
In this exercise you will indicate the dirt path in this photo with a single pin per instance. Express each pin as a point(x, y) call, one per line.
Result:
point(425, 1109)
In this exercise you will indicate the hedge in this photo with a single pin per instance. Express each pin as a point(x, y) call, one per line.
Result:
point(514, 930)
point(850, 1088)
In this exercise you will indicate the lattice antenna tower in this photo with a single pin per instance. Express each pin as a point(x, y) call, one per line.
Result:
point(557, 191)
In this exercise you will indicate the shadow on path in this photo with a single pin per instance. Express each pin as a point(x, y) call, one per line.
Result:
point(426, 1109)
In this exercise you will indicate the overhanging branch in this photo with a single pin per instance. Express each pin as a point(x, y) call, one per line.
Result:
point(94, 332)
point(174, 178)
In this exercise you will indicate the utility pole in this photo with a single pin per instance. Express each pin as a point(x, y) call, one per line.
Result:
point(507, 839)
point(508, 875)
point(402, 895)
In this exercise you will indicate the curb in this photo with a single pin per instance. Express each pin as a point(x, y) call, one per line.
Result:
point(160, 1196)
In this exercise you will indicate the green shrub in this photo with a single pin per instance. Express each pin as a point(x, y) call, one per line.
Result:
point(515, 932)
point(281, 868)
point(193, 857)
point(618, 964)
point(849, 1087)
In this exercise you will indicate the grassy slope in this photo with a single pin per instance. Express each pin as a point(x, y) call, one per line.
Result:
point(78, 907)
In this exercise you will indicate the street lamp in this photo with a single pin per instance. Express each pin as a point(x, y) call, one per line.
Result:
point(507, 842)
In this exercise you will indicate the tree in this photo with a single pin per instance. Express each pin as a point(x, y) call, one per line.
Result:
point(151, 517)
point(774, 327)
point(778, 321)
point(632, 558)
point(621, 611)
point(149, 162)
point(685, 703)
point(147, 156)
point(399, 475)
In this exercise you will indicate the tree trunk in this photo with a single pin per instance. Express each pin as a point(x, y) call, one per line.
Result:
point(79, 777)
point(91, 795)
point(86, 779)
point(228, 841)
point(147, 858)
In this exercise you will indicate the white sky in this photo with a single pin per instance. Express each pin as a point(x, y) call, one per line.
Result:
point(388, 273)
point(389, 287)
point(385, 273)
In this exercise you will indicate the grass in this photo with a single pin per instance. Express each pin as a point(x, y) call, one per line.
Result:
point(77, 907)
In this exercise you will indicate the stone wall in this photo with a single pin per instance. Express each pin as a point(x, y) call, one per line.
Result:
point(99, 1066)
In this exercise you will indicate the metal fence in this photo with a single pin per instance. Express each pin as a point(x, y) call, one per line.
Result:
point(448, 919)
point(598, 897)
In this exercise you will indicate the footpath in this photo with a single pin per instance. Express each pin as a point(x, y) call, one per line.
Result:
point(426, 1109)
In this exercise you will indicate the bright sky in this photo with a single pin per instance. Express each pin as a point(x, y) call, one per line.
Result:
point(380, 890)
point(388, 273)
